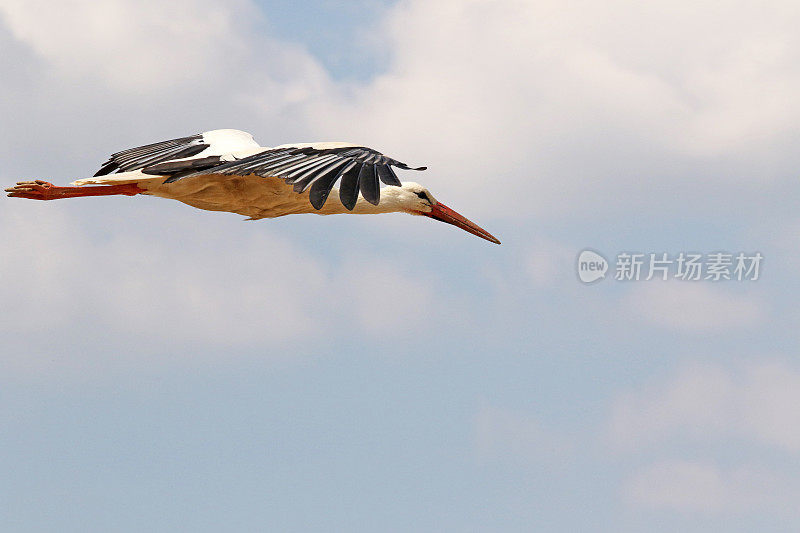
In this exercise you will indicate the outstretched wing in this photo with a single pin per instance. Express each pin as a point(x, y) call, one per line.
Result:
point(316, 168)
point(209, 143)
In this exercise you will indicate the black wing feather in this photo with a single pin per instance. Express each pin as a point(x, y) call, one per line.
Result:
point(313, 175)
point(307, 170)
point(170, 167)
point(177, 169)
point(368, 182)
point(348, 188)
point(387, 175)
point(152, 154)
point(358, 167)
point(322, 185)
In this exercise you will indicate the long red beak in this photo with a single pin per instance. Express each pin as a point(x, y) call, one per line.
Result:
point(441, 212)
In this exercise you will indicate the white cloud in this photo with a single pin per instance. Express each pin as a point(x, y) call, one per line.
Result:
point(759, 402)
point(770, 404)
point(182, 283)
point(550, 106)
point(695, 487)
point(694, 403)
point(84, 78)
point(254, 288)
point(149, 46)
point(693, 306)
point(514, 437)
point(784, 240)
point(714, 407)
point(136, 46)
point(517, 107)
point(681, 485)
point(385, 298)
point(550, 263)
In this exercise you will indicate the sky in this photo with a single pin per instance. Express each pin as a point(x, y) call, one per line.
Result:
point(170, 369)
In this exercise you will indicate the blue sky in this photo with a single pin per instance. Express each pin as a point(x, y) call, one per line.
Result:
point(170, 369)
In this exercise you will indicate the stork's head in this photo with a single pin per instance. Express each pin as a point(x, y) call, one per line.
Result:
point(417, 200)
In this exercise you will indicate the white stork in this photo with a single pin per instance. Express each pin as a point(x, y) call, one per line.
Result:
point(226, 170)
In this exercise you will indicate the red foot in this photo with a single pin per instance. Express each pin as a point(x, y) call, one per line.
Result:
point(43, 190)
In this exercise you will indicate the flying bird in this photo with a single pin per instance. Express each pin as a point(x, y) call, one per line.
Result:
point(227, 170)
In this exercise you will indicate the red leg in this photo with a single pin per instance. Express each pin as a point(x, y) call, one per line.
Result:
point(42, 190)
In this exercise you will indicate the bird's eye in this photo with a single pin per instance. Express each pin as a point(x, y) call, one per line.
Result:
point(423, 195)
